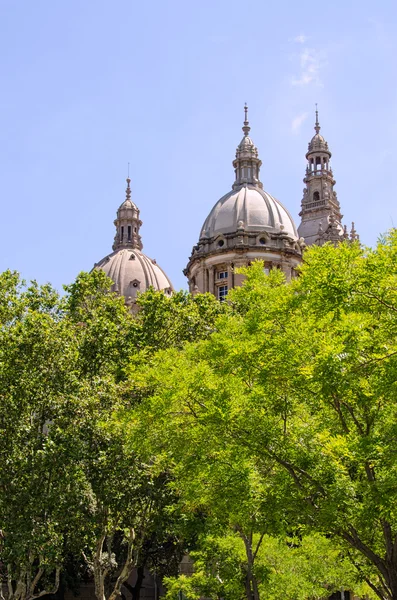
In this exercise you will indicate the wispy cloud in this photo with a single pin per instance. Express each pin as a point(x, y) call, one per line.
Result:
point(310, 64)
point(300, 39)
point(297, 122)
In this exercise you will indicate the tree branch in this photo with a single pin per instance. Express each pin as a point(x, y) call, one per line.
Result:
point(258, 546)
point(36, 580)
point(354, 540)
point(53, 590)
point(129, 564)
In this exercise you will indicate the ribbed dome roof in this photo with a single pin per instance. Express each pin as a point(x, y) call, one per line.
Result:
point(132, 272)
point(318, 143)
point(247, 144)
point(249, 208)
point(128, 204)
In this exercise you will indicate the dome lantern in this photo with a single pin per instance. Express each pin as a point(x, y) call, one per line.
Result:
point(247, 163)
point(127, 223)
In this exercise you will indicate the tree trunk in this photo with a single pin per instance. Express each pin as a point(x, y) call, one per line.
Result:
point(251, 584)
point(135, 590)
point(128, 567)
point(24, 588)
point(99, 571)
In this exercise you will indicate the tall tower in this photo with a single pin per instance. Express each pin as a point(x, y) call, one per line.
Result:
point(321, 217)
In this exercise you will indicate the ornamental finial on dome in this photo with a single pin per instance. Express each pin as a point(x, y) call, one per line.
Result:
point(317, 125)
point(246, 127)
point(128, 189)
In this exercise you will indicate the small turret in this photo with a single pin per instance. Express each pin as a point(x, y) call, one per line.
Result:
point(127, 223)
point(320, 205)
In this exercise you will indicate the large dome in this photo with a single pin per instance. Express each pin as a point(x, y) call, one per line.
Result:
point(133, 272)
point(245, 225)
point(249, 208)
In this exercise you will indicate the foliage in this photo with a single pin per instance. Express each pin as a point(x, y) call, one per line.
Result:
point(69, 482)
point(37, 480)
point(300, 379)
point(294, 568)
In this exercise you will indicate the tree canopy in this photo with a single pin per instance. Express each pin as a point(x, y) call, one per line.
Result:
point(70, 484)
point(300, 378)
point(258, 434)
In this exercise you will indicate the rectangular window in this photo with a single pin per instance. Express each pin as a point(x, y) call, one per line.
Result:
point(122, 234)
point(222, 292)
point(222, 275)
point(129, 233)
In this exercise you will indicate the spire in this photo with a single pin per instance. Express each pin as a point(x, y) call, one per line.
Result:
point(127, 223)
point(247, 162)
point(128, 189)
point(353, 233)
point(317, 125)
point(246, 127)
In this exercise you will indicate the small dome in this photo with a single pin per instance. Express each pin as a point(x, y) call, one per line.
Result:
point(133, 272)
point(249, 208)
point(130, 269)
point(128, 204)
point(246, 144)
point(318, 143)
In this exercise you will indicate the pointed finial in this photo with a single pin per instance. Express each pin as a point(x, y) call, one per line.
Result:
point(128, 190)
point(317, 125)
point(246, 128)
point(353, 233)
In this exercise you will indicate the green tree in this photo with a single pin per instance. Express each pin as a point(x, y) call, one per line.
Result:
point(69, 482)
point(132, 514)
point(301, 376)
point(309, 567)
point(38, 482)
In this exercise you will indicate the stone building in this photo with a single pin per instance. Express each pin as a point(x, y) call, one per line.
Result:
point(246, 224)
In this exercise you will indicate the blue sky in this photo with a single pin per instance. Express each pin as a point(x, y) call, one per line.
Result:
point(90, 85)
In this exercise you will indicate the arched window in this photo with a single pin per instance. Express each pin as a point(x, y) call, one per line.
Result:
point(316, 196)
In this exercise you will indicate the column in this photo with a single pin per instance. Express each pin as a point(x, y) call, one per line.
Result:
point(211, 279)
